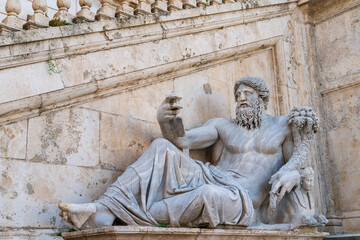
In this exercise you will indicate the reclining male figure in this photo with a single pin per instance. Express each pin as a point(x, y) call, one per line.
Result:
point(166, 186)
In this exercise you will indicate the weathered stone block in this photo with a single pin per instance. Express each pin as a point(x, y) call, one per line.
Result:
point(13, 140)
point(70, 136)
point(26, 85)
point(140, 103)
point(124, 140)
point(30, 192)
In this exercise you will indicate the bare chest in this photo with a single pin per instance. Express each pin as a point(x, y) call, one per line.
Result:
point(267, 140)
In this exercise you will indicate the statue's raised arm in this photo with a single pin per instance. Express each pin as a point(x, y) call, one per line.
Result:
point(173, 130)
point(303, 124)
point(167, 115)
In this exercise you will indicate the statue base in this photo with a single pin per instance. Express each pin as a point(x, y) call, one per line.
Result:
point(149, 233)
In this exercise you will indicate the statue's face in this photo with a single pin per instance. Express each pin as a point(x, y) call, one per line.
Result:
point(308, 183)
point(248, 107)
point(246, 97)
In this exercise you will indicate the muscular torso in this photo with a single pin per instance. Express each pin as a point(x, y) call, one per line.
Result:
point(252, 156)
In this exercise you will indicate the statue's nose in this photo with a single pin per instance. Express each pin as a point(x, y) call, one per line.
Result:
point(242, 97)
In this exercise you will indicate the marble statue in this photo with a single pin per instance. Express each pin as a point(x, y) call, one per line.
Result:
point(298, 207)
point(253, 154)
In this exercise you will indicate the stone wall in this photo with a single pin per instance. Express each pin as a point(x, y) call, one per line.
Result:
point(78, 103)
point(337, 57)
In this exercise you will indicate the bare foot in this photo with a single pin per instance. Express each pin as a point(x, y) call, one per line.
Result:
point(76, 214)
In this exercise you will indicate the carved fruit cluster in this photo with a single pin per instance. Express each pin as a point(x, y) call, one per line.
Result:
point(304, 117)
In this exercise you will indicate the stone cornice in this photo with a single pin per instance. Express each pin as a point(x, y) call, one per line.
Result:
point(35, 105)
point(128, 31)
point(33, 46)
point(33, 35)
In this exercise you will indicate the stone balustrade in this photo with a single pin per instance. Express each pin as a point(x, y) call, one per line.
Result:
point(110, 9)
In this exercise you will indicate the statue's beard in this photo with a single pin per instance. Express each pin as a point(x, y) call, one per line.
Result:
point(249, 117)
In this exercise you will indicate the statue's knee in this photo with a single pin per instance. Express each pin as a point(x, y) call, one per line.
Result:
point(103, 216)
point(162, 142)
point(209, 192)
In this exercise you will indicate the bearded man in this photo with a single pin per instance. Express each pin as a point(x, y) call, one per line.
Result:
point(166, 186)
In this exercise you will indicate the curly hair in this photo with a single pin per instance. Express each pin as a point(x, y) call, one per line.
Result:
point(307, 172)
point(258, 84)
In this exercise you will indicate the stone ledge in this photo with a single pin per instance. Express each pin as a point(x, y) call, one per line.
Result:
point(354, 236)
point(147, 233)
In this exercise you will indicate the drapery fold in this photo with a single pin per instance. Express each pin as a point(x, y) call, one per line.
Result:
point(194, 193)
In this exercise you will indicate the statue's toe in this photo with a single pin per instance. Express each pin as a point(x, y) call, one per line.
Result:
point(64, 207)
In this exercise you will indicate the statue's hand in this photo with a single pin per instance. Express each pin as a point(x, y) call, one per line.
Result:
point(309, 221)
point(169, 108)
point(282, 182)
point(322, 220)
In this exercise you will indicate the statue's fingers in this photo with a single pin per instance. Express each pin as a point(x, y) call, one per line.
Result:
point(273, 178)
point(309, 125)
point(166, 116)
point(324, 219)
point(175, 106)
point(164, 105)
point(64, 207)
point(288, 188)
point(175, 112)
point(281, 195)
point(162, 109)
point(173, 97)
point(169, 116)
point(275, 187)
point(65, 216)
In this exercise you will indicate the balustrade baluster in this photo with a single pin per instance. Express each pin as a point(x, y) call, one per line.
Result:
point(159, 6)
point(124, 10)
point(228, 1)
point(203, 3)
point(174, 5)
point(85, 15)
point(39, 19)
point(143, 7)
point(189, 4)
point(106, 11)
point(63, 14)
point(216, 2)
point(12, 21)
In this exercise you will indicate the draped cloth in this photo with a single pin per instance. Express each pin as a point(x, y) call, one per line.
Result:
point(194, 193)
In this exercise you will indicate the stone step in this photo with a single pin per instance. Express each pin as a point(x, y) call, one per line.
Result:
point(150, 233)
point(353, 236)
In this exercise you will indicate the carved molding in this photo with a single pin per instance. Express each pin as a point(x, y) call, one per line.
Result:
point(341, 83)
point(35, 105)
point(164, 28)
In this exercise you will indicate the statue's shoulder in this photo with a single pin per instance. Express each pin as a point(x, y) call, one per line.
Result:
point(218, 122)
point(281, 120)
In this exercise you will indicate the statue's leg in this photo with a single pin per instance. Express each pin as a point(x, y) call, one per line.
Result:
point(208, 204)
point(162, 169)
point(161, 172)
point(87, 215)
